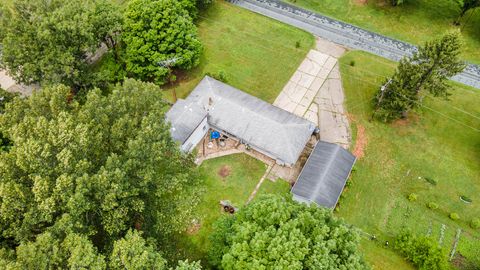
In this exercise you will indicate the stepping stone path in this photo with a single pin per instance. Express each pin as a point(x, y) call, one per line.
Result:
point(315, 93)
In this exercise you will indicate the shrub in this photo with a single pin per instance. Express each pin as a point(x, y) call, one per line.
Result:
point(465, 199)
point(412, 197)
point(454, 216)
point(431, 181)
point(475, 224)
point(422, 251)
point(352, 63)
point(297, 44)
point(432, 205)
point(221, 76)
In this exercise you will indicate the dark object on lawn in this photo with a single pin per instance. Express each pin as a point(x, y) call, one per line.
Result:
point(352, 63)
point(386, 243)
point(228, 207)
point(431, 181)
point(465, 199)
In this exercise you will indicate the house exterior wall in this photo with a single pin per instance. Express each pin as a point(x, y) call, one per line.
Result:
point(196, 136)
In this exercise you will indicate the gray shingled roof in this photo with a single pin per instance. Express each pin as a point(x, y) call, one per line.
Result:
point(184, 118)
point(324, 175)
point(280, 133)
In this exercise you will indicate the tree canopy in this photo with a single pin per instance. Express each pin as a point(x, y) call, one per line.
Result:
point(275, 232)
point(82, 176)
point(425, 72)
point(159, 35)
point(49, 42)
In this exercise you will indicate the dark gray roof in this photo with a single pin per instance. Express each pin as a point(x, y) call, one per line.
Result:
point(280, 133)
point(184, 117)
point(324, 175)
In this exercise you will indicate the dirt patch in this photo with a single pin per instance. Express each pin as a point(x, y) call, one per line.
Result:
point(460, 262)
point(360, 2)
point(411, 119)
point(224, 171)
point(194, 227)
point(361, 142)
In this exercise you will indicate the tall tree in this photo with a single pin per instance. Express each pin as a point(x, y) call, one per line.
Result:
point(133, 252)
point(277, 233)
point(465, 6)
point(49, 41)
point(5, 98)
point(159, 35)
point(97, 169)
point(426, 72)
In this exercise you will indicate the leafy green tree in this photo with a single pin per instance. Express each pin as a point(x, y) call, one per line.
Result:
point(428, 70)
point(422, 251)
point(185, 265)
point(48, 252)
point(5, 98)
point(277, 233)
point(159, 35)
point(465, 6)
point(97, 169)
point(49, 42)
point(132, 252)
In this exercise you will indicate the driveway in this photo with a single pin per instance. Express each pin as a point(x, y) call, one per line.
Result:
point(315, 93)
point(345, 34)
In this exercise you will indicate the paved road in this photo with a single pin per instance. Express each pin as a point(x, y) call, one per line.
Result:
point(345, 34)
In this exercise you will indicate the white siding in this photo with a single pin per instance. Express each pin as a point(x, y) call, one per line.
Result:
point(196, 136)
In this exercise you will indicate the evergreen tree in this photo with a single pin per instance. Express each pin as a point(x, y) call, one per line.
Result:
point(426, 72)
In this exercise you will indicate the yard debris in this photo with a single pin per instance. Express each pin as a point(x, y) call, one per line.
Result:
point(194, 227)
point(228, 207)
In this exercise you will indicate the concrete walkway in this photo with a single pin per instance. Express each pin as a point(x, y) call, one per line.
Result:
point(8, 83)
point(315, 93)
point(345, 34)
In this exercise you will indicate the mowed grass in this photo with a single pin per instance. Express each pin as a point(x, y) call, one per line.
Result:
point(416, 21)
point(231, 178)
point(257, 54)
point(440, 141)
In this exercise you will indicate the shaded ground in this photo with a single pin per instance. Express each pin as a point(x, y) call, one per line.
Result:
point(398, 158)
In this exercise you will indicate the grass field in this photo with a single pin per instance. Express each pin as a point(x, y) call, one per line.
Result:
point(257, 54)
point(441, 142)
point(231, 178)
point(415, 21)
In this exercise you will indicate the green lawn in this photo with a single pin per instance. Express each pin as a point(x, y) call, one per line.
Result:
point(399, 156)
point(242, 174)
point(415, 21)
point(258, 54)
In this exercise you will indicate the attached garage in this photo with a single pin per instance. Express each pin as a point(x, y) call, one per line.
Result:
point(324, 175)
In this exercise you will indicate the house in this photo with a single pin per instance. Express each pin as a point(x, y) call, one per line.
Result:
point(324, 175)
point(261, 126)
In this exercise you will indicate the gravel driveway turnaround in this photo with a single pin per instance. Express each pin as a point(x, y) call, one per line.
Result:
point(345, 34)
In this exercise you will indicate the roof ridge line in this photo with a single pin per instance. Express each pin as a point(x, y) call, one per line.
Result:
point(327, 169)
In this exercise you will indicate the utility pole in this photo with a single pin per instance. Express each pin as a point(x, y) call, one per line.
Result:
point(168, 63)
point(382, 93)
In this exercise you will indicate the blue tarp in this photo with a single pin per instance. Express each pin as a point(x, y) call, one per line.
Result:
point(214, 135)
